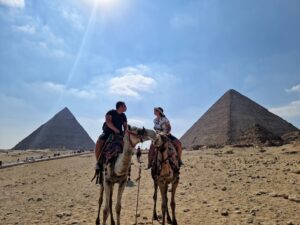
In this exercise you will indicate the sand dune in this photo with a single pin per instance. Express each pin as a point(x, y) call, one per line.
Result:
point(224, 186)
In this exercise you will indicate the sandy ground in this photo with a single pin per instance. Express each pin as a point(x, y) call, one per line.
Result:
point(218, 186)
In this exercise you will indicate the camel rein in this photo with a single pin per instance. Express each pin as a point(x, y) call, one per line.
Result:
point(135, 135)
point(138, 191)
point(138, 194)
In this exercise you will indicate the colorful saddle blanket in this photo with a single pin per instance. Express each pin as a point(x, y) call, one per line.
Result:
point(112, 148)
point(172, 160)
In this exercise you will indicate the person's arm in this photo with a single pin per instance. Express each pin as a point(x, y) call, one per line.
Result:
point(125, 126)
point(166, 127)
point(109, 123)
point(155, 127)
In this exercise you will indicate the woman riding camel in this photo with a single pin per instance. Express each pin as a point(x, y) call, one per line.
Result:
point(162, 124)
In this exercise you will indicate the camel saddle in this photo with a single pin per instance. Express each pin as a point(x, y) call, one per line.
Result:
point(172, 159)
point(113, 147)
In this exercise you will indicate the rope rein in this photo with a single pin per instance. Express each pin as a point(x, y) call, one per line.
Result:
point(138, 194)
point(138, 191)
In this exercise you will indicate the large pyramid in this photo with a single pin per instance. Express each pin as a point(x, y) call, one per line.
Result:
point(233, 120)
point(61, 131)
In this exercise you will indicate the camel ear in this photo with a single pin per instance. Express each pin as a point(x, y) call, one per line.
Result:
point(129, 127)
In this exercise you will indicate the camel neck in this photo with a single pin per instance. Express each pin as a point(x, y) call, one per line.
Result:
point(123, 162)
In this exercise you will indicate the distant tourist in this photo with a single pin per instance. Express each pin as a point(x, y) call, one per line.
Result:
point(0, 163)
point(138, 154)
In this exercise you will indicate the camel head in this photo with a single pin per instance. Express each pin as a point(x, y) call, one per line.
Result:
point(137, 135)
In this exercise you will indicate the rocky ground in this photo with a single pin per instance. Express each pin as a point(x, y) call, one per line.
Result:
point(218, 186)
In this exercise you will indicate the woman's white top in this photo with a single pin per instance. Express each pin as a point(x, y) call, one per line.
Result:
point(162, 124)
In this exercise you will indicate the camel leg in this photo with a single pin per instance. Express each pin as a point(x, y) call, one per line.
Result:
point(162, 188)
point(155, 199)
point(100, 203)
point(167, 208)
point(119, 200)
point(173, 203)
point(112, 221)
point(108, 193)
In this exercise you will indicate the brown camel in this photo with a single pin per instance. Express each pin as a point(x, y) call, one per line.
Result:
point(118, 173)
point(164, 175)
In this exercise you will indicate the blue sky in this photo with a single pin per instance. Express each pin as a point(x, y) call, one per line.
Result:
point(178, 54)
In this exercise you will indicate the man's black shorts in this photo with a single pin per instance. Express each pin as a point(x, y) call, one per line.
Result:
point(171, 137)
point(104, 136)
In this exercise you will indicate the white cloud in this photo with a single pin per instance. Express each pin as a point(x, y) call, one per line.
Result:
point(29, 29)
point(57, 53)
point(50, 43)
point(73, 18)
point(13, 3)
point(43, 38)
point(295, 88)
point(290, 110)
point(50, 37)
point(140, 122)
point(131, 81)
point(62, 89)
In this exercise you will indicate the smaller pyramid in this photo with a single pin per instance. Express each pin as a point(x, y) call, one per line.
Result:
point(62, 131)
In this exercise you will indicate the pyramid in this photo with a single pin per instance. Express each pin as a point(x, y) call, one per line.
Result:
point(233, 120)
point(62, 131)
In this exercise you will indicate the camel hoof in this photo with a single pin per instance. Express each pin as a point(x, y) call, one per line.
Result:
point(174, 222)
point(155, 217)
point(97, 221)
point(169, 221)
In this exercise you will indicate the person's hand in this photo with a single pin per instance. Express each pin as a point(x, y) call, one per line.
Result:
point(162, 133)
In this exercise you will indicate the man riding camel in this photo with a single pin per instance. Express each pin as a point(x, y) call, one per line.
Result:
point(115, 123)
point(162, 124)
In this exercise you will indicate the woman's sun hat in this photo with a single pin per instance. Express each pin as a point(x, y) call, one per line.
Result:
point(160, 110)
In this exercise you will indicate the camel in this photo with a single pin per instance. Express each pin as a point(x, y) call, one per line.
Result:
point(119, 172)
point(164, 176)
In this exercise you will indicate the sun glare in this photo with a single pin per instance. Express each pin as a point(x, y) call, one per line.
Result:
point(104, 4)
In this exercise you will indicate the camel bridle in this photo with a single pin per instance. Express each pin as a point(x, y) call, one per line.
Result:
point(140, 134)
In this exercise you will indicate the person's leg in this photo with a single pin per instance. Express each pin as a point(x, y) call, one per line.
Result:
point(151, 155)
point(99, 145)
point(178, 147)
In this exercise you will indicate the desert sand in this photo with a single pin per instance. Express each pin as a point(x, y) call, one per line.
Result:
point(217, 186)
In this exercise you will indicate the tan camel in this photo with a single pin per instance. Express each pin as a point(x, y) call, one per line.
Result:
point(163, 175)
point(119, 172)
